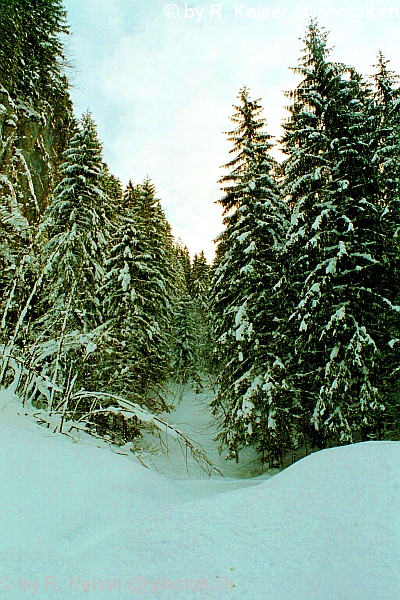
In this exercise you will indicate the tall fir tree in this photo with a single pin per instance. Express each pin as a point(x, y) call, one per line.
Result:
point(73, 241)
point(306, 172)
point(200, 294)
point(183, 257)
point(200, 280)
point(132, 366)
point(32, 56)
point(139, 296)
point(386, 161)
point(245, 273)
point(185, 346)
point(186, 349)
point(341, 255)
point(160, 285)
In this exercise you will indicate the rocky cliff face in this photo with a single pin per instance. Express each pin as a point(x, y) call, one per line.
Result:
point(31, 146)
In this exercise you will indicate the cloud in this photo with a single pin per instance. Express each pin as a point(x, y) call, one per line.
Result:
point(161, 90)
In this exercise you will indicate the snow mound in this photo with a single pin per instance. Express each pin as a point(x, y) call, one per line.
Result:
point(78, 521)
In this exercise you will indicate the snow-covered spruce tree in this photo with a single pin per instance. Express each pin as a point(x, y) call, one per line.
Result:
point(245, 272)
point(183, 257)
point(112, 186)
point(138, 297)
point(73, 237)
point(386, 144)
point(341, 253)
point(161, 283)
point(200, 293)
point(307, 170)
point(193, 340)
point(185, 365)
point(200, 280)
point(186, 359)
point(128, 367)
point(32, 54)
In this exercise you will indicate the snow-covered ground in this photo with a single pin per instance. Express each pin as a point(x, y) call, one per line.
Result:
point(191, 415)
point(80, 521)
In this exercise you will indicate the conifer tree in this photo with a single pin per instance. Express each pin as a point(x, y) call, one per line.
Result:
point(200, 293)
point(185, 335)
point(183, 256)
point(245, 272)
point(306, 172)
point(73, 236)
point(385, 140)
point(132, 367)
point(160, 285)
point(139, 295)
point(124, 364)
point(200, 277)
point(186, 359)
point(32, 57)
point(78, 221)
point(340, 255)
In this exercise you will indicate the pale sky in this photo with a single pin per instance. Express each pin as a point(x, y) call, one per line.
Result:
point(160, 81)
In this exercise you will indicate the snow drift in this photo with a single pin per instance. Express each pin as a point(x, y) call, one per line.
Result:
point(78, 521)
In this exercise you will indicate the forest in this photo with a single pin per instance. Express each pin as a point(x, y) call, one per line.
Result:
point(296, 322)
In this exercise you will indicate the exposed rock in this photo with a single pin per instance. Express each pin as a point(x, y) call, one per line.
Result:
point(31, 146)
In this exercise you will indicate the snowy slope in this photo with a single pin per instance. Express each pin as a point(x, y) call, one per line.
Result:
point(326, 528)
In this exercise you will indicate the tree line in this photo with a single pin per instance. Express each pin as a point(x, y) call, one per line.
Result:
point(297, 320)
point(100, 307)
point(305, 286)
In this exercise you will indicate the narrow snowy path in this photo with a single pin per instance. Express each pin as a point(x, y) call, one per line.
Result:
point(192, 416)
